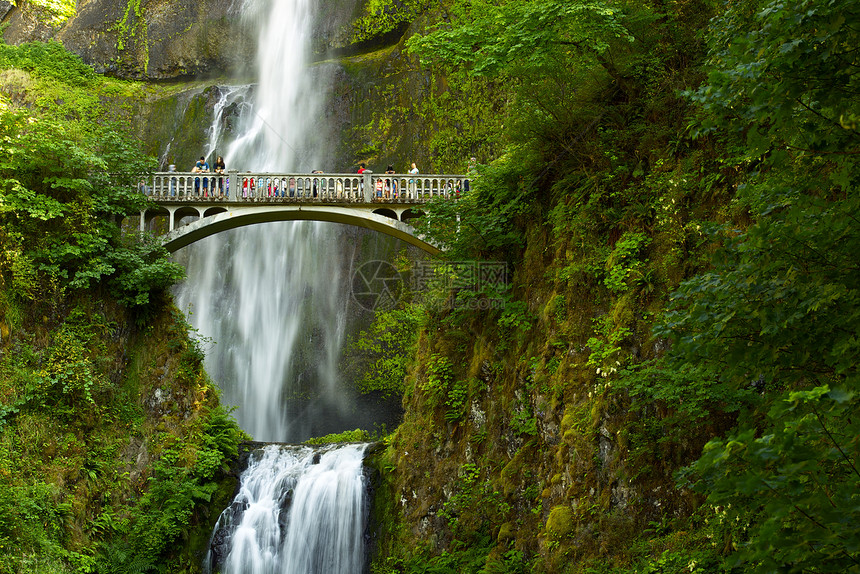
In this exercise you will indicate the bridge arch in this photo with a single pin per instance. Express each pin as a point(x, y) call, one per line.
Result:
point(214, 211)
point(385, 212)
point(185, 211)
point(410, 213)
point(221, 219)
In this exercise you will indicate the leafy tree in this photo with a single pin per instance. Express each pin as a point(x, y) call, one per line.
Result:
point(499, 37)
point(566, 65)
point(385, 348)
point(778, 313)
point(64, 186)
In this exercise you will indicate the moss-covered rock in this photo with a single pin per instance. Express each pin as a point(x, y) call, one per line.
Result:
point(560, 522)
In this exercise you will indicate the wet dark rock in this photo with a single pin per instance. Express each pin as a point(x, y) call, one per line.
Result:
point(167, 39)
point(5, 8)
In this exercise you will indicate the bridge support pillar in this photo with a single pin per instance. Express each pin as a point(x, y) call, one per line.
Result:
point(233, 184)
point(368, 187)
point(142, 221)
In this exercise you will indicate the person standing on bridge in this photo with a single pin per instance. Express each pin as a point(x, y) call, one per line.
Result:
point(412, 186)
point(201, 167)
point(314, 187)
point(390, 182)
point(219, 169)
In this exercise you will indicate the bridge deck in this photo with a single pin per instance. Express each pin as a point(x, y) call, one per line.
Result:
point(342, 189)
point(200, 204)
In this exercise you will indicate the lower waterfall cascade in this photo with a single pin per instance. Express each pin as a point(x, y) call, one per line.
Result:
point(299, 510)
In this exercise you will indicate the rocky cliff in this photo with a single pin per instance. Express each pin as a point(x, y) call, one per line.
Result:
point(381, 110)
point(165, 39)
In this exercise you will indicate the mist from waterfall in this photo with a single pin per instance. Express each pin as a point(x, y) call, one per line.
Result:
point(272, 298)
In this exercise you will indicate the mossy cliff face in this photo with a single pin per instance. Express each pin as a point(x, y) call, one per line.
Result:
point(164, 39)
point(541, 458)
point(144, 39)
point(105, 427)
point(172, 120)
point(392, 110)
point(384, 107)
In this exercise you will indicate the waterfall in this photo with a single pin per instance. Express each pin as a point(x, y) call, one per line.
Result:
point(273, 298)
point(270, 303)
point(298, 511)
point(283, 130)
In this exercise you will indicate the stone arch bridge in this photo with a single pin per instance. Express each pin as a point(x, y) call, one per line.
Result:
point(198, 205)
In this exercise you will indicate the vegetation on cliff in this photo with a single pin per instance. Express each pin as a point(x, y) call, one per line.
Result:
point(666, 383)
point(52, 12)
point(111, 435)
point(671, 382)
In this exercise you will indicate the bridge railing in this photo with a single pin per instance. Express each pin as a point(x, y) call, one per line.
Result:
point(248, 187)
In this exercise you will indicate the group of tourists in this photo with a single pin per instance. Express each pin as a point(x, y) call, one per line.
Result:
point(211, 186)
point(218, 184)
point(388, 187)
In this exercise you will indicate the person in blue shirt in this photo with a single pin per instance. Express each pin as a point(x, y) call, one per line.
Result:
point(201, 167)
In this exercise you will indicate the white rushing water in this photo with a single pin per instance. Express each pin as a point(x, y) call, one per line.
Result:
point(273, 297)
point(298, 511)
point(272, 300)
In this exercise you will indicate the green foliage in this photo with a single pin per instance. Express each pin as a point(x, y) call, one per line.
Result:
point(635, 196)
point(463, 557)
point(127, 29)
point(496, 36)
point(523, 421)
point(560, 60)
point(623, 261)
point(783, 75)
point(456, 401)
point(70, 422)
point(48, 60)
point(515, 316)
point(382, 16)
point(357, 435)
point(439, 377)
point(485, 221)
point(64, 185)
point(54, 12)
point(182, 478)
point(772, 325)
point(688, 388)
point(385, 349)
point(795, 488)
point(605, 349)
